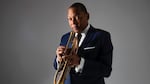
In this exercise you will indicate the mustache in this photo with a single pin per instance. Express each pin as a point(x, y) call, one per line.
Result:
point(75, 26)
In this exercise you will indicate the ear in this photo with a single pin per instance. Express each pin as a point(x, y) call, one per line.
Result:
point(88, 16)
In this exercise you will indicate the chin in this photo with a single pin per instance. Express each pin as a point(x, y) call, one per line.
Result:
point(76, 31)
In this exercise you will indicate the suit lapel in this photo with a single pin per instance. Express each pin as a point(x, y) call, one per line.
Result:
point(88, 37)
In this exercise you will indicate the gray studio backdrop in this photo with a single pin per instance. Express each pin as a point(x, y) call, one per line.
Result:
point(30, 31)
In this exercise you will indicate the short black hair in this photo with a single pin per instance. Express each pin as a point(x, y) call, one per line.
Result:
point(79, 6)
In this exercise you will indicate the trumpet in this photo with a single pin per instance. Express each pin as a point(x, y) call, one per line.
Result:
point(64, 68)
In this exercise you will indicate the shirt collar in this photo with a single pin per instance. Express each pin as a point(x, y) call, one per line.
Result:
point(84, 32)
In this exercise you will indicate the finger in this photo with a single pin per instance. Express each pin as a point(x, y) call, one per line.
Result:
point(61, 47)
point(59, 58)
point(65, 58)
point(59, 51)
point(71, 64)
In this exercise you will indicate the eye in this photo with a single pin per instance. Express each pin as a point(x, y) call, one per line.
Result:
point(77, 17)
point(69, 19)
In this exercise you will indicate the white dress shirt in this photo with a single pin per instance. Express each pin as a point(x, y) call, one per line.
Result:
point(79, 67)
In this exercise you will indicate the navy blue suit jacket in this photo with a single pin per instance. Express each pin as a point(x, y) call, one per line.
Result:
point(97, 50)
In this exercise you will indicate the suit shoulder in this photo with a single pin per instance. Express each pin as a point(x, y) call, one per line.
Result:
point(101, 31)
point(64, 39)
point(65, 35)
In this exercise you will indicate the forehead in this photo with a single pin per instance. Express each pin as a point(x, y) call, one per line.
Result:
point(74, 11)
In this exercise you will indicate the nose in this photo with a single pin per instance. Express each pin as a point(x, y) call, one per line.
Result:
point(74, 21)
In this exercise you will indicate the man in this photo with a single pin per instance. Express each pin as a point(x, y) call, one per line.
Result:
point(94, 58)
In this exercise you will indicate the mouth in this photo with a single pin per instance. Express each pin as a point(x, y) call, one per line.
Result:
point(75, 28)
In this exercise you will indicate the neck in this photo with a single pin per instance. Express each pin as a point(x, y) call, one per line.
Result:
point(84, 28)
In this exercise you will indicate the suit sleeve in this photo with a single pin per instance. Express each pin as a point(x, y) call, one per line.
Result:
point(63, 42)
point(102, 65)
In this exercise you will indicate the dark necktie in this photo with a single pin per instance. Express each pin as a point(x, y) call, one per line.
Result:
point(79, 38)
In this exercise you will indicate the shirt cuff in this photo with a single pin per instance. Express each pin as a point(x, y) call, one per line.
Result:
point(79, 67)
point(57, 63)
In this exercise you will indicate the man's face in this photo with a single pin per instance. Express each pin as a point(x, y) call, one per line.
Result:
point(78, 20)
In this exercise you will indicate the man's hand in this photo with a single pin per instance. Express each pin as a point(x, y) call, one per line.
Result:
point(59, 53)
point(74, 59)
